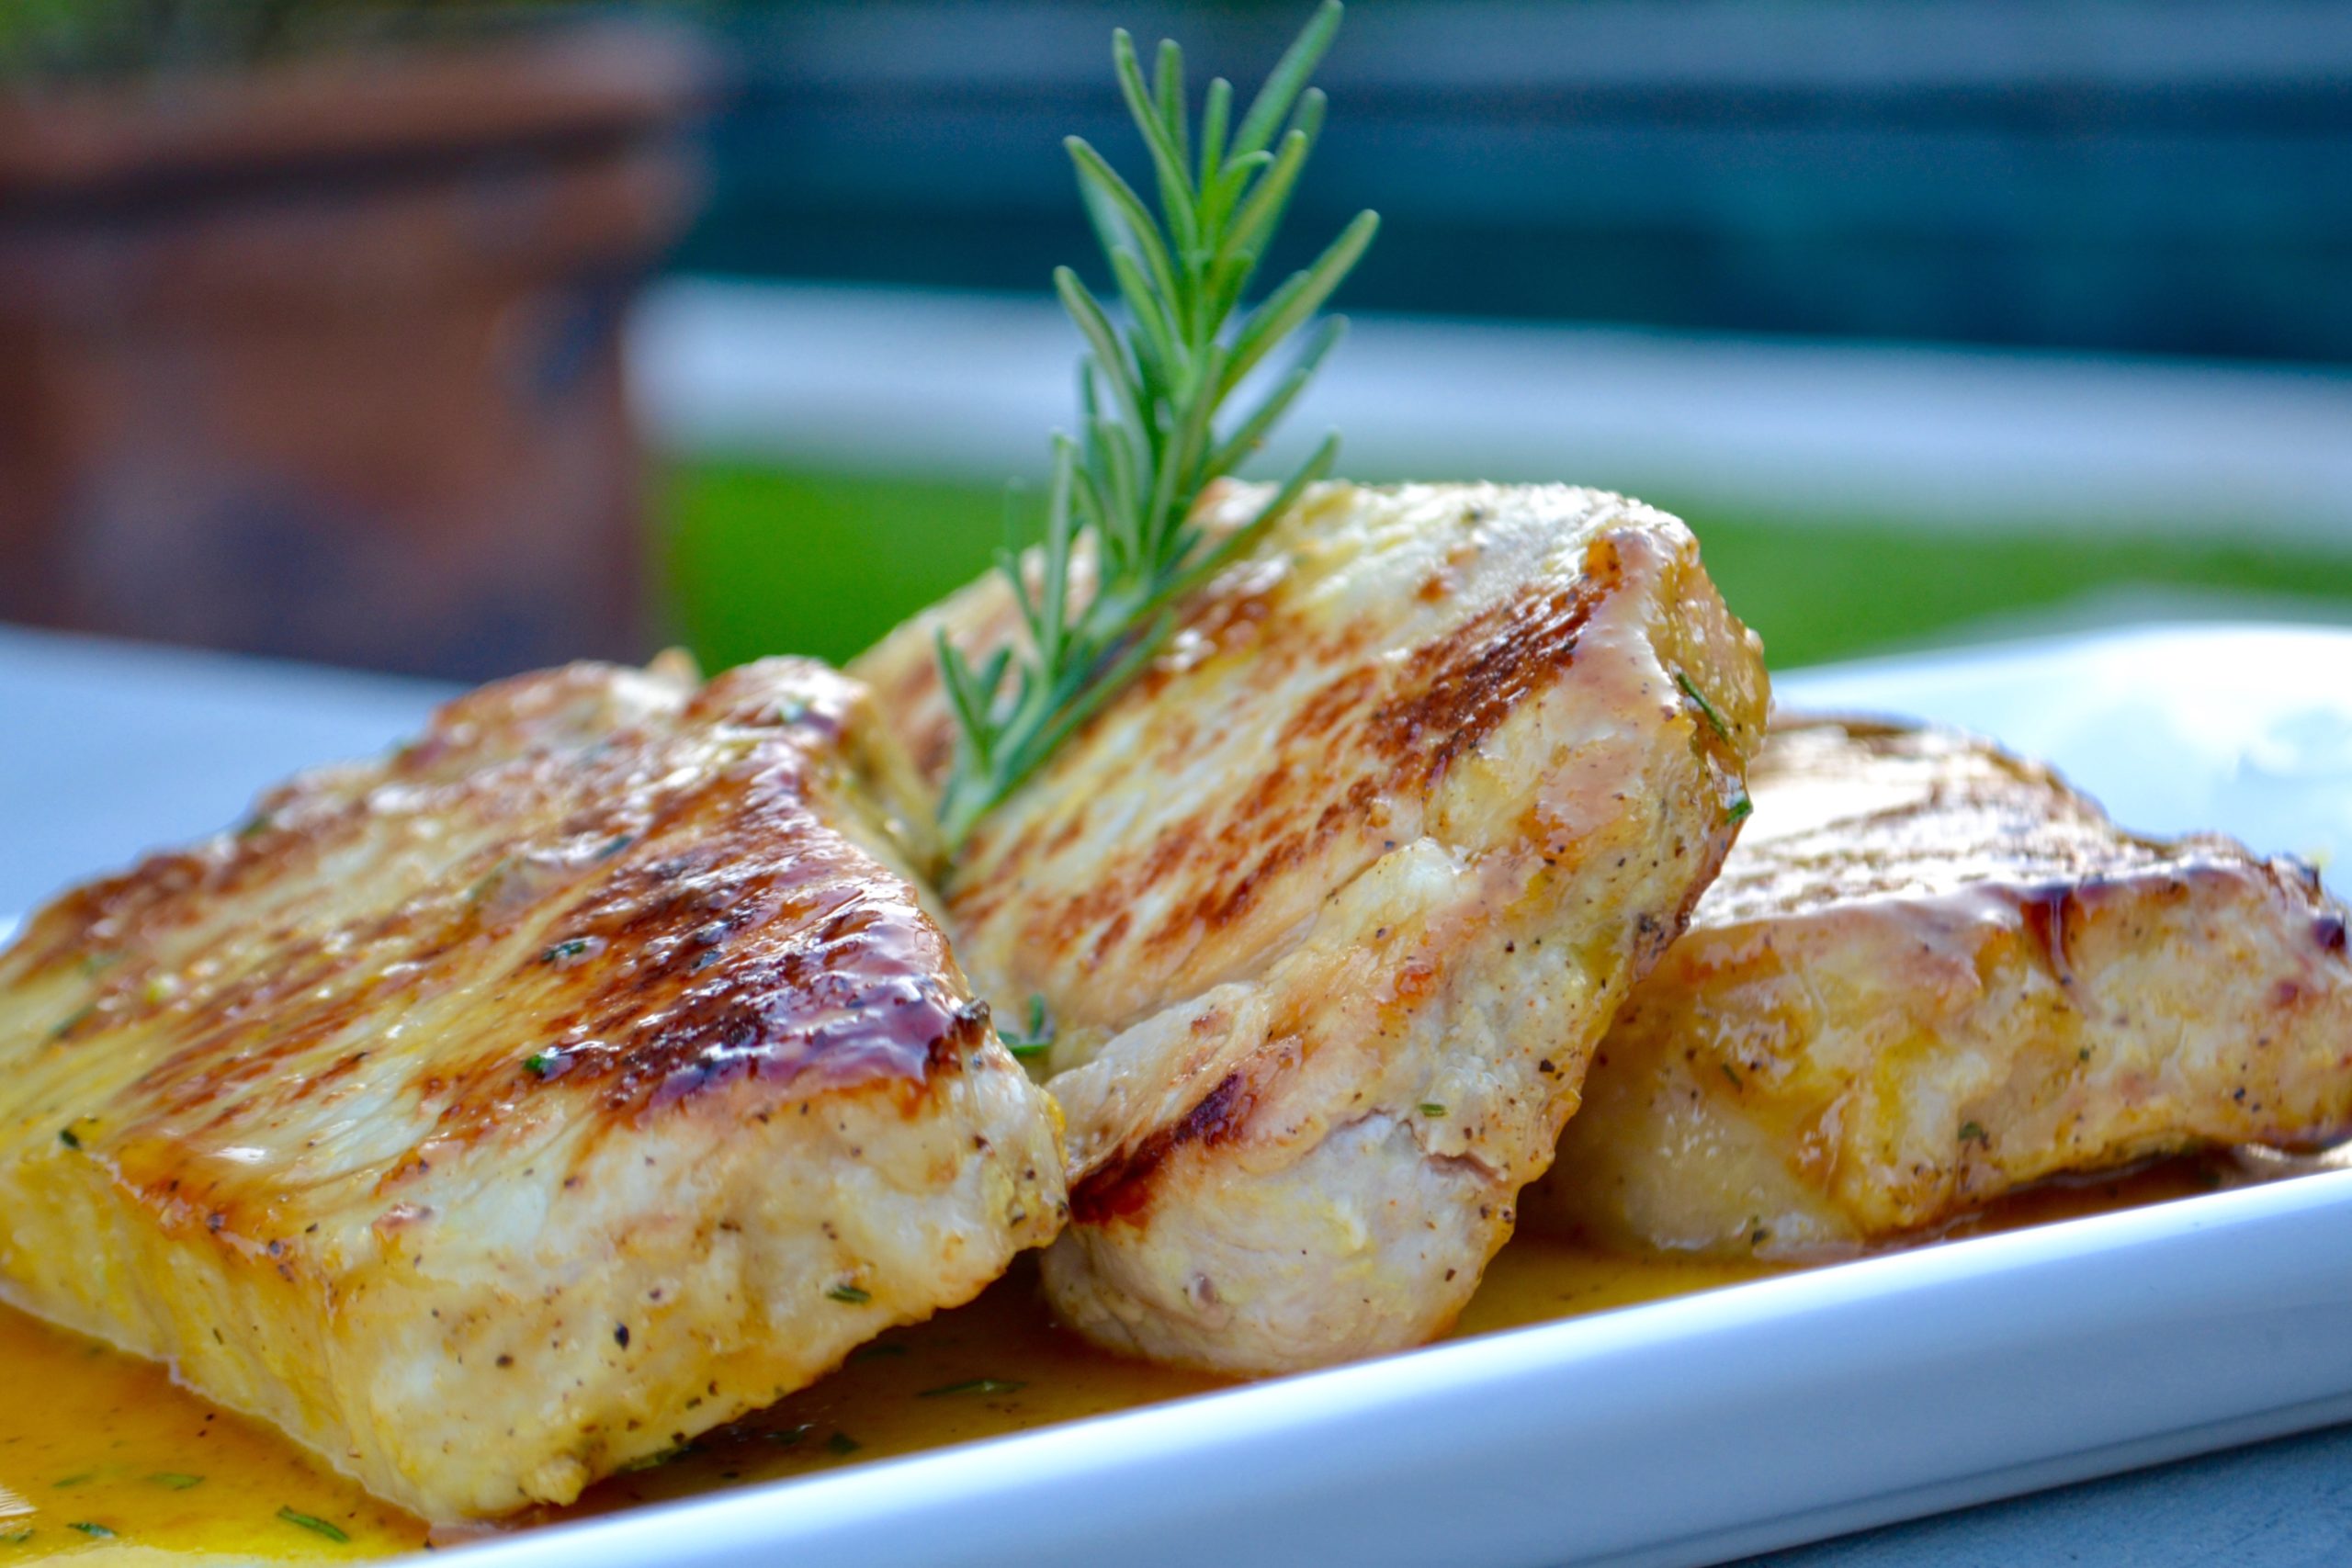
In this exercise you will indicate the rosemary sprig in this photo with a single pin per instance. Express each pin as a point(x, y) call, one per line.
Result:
point(1036, 1039)
point(1151, 392)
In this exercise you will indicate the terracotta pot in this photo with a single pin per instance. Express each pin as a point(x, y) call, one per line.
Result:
point(323, 361)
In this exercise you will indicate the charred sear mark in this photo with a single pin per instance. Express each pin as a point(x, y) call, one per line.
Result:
point(2050, 915)
point(2328, 931)
point(1122, 1188)
point(1320, 715)
point(612, 905)
point(1227, 616)
point(494, 750)
point(1361, 738)
point(763, 945)
point(1455, 691)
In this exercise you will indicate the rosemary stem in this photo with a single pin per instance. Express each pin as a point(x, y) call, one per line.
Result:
point(1151, 391)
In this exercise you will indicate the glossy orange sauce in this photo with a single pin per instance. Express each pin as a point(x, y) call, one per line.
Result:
point(104, 1458)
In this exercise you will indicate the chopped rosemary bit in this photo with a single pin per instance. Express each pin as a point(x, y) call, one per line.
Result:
point(1149, 441)
point(1739, 810)
point(174, 1481)
point(843, 1443)
point(96, 1532)
point(570, 947)
point(661, 1457)
point(538, 1063)
point(851, 1294)
point(1732, 1073)
point(312, 1522)
point(490, 881)
point(69, 1137)
point(972, 1385)
point(1038, 1038)
point(1714, 719)
point(74, 1021)
point(1432, 1108)
point(1970, 1132)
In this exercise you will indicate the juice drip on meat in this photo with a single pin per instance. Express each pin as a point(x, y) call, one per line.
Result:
point(92, 1437)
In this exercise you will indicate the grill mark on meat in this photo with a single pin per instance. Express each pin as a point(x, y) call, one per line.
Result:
point(1447, 698)
point(1459, 690)
point(1121, 1189)
point(1228, 615)
point(2047, 913)
point(1332, 701)
point(726, 932)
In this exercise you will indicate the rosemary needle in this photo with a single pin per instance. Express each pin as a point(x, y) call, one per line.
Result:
point(1034, 1041)
point(1151, 394)
point(315, 1523)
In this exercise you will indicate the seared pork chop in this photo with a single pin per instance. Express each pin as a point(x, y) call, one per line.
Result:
point(1932, 973)
point(1330, 907)
point(488, 1117)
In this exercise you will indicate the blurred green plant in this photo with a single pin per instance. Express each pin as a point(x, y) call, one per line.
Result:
point(763, 559)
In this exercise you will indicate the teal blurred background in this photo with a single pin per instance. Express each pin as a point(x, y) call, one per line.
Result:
point(2161, 188)
point(1939, 320)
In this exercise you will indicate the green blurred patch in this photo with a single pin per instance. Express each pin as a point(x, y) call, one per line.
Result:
point(766, 561)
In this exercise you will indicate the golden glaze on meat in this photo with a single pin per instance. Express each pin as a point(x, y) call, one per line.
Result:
point(1330, 906)
point(583, 1075)
point(1931, 974)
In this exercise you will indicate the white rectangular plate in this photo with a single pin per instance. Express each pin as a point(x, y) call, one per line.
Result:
point(1750, 1418)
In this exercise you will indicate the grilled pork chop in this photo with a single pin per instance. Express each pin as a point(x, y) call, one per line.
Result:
point(1330, 906)
point(1929, 974)
point(583, 1075)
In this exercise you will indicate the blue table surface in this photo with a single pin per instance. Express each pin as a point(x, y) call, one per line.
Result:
point(111, 748)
